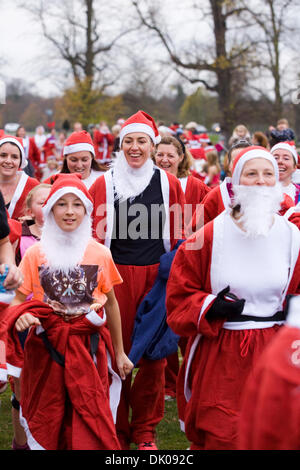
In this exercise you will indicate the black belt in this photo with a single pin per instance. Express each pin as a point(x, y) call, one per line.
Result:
point(57, 356)
point(278, 316)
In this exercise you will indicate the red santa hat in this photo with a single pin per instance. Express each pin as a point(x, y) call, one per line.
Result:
point(65, 183)
point(4, 139)
point(247, 154)
point(78, 142)
point(290, 147)
point(140, 122)
point(204, 138)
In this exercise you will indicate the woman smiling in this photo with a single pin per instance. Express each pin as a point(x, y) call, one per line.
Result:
point(79, 157)
point(15, 184)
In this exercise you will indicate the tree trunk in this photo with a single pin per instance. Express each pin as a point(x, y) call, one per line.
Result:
point(223, 69)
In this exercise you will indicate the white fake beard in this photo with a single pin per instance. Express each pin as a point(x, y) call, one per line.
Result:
point(258, 204)
point(130, 182)
point(64, 250)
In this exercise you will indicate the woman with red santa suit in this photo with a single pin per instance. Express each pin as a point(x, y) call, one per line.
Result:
point(69, 398)
point(287, 159)
point(270, 411)
point(220, 197)
point(136, 206)
point(172, 156)
point(15, 184)
point(226, 292)
point(79, 157)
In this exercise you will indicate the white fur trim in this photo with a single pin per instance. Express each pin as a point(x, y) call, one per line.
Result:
point(183, 181)
point(79, 148)
point(32, 443)
point(182, 425)
point(3, 374)
point(251, 154)
point(94, 318)
point(165, 189)
point(138, 127)
point(114, 389)
point(109, 207)
point(187, 390)
point(13, 370)
point(6, 140)
point(66, 190)
point(293, 318)
point(290, 211)
point(18, 193)
point(206, 304)
point(288, 147)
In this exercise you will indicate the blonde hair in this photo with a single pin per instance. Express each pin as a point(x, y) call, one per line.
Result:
point(30, 195)
point(213, 159)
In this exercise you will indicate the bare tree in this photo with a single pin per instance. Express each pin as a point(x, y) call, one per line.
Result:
point(274, 24)
point(83, 36)
point(221, 68)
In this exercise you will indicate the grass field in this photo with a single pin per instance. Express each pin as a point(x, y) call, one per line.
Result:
point(169, 436)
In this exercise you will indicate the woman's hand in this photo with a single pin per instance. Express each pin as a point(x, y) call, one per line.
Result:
point(25, 321)
point(124, 365)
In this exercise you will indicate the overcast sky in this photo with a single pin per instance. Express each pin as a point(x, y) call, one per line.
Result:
point(25, 55)
point(23, 52)
point(19, 47)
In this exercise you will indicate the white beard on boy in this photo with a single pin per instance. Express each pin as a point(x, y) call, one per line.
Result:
point(258, 205)
point(130, 182)
point(65, 250)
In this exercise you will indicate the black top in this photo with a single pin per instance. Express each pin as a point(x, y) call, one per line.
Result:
point(138, 227)
point(4, 227)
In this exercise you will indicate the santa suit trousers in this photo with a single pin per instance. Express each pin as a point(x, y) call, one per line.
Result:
point(145, 395)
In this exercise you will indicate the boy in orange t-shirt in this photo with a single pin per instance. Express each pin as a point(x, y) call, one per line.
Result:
point(71, 277)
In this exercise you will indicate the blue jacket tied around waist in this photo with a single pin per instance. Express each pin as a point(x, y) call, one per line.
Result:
point(152, 338)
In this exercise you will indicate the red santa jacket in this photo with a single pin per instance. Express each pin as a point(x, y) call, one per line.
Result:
point(103, 214)
point(82, 380)
point(17, 204)
point(190, 294)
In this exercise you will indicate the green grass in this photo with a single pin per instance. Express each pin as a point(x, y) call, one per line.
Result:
point(6, 432)
point(169, 436)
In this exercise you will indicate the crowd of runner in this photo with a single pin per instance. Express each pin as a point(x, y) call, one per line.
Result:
point(163, 249)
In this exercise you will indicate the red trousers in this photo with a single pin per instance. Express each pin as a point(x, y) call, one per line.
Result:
point(145, 394)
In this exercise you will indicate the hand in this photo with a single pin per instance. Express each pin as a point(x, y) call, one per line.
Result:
point(25, 321)
point(14, 277)
point(124, 365)
point(224, 307)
